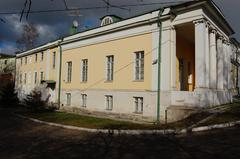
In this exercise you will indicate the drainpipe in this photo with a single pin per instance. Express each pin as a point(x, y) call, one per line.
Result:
point(159, 64)
point(60, 73)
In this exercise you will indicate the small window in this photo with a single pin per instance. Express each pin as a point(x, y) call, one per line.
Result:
point(109, 102)
point(68, 99)
point(20, 78)
point(36, 57)
point(138, 101)
point(41, 76)
point(25, 78)
point(42, 56)
point(110, 63)
point(25, 60)
point(35, 77)
point(5, 62)
point(84, 100)
point(21, 61)
point(54, 60)
point(84, 70)
point(69, 72)
point(139, 65)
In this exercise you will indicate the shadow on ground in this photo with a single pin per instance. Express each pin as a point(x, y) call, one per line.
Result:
point(23, 139)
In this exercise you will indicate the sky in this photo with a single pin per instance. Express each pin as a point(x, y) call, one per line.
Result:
point(57, 24)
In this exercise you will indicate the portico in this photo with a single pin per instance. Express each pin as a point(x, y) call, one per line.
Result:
point(202, 71)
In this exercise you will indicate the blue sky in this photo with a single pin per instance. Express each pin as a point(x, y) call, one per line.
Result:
point(54, 25)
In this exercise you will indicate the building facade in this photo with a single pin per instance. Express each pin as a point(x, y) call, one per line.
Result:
point(38, 68)
point(7, 68)
point(158, 66)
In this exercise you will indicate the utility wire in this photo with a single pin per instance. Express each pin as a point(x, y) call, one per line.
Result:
point(88, 8)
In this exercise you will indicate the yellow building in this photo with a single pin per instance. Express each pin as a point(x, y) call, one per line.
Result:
point(158, 66)
point(36, 67)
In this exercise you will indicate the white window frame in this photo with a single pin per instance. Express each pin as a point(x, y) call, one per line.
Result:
point(69, 71)
point(20, 78)
point(84, 100)
point(84, 70)
point(109, 102)
point(41, 76)
point(36, 58)
point(138, 104)
point(42, 56)
point(35, 77)
point(110, 68)
point(25, 78)
point(54, 60)
point(139, 66)
point(68, 99)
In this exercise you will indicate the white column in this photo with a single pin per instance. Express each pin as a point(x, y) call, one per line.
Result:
point(173, 58)
point(207, 56)
point(220, 63)
point(225, 65)
point(230, 84)
point(200, 53)
point(213, 59)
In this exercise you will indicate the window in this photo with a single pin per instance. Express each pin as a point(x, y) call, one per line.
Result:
point(25, 78)
point(109, 102)
point(5, 62)
point(35, 77)
point(42, 56)
point(84, 70)
point(25, 60)
point(106, 21)
point(20, 78)
point(54, 59)
point(36, 57)
point(139, 65)
point(69, 72)
point(138, 104)
point(21, 61)
point(84, 100)
point(110, 62)
point(68, 99)
point(41, 76)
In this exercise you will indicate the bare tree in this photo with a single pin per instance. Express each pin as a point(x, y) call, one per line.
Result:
point(28, 37)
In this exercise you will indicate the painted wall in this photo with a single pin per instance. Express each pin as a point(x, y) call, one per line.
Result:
point(123, 51)
point(32, 66)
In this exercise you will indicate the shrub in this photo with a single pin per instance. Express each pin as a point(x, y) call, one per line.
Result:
point(8, 95)
point(35, 103)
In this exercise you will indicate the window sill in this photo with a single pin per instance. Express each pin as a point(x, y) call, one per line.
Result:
point(138, 80)
point(109, 110)
point(83, 82)
point(108, 81)
point(139, 113)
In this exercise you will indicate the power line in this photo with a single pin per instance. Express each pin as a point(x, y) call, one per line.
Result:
point(90, 8)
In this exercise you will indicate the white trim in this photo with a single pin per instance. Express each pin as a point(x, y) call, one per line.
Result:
point(47, 65)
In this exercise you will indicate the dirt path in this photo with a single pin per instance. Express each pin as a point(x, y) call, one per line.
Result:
point(23, 139)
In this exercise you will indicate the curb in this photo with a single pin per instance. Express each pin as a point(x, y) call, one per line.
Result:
point(134, 132)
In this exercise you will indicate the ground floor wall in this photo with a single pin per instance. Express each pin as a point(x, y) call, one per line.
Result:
point(175, 105)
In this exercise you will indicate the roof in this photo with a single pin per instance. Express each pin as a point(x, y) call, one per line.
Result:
point(175, 7)
point(2, 55)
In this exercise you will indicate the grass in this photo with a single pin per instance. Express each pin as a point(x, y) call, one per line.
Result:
point(232, 113)
point(101, 123)
point(88, 122)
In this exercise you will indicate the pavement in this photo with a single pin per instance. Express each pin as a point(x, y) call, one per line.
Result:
point(24, 139)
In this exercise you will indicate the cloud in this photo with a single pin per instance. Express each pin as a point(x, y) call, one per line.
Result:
point(8, 48)
point(57, 24)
